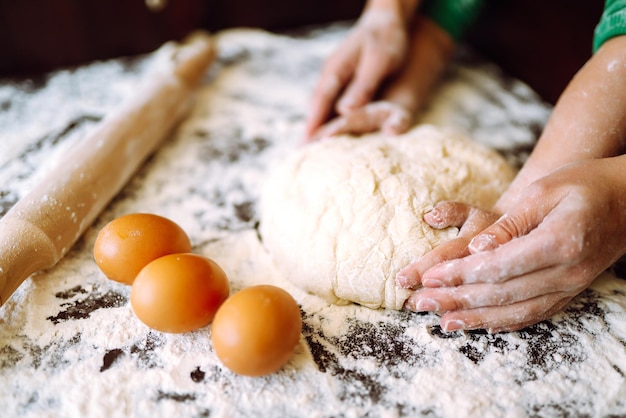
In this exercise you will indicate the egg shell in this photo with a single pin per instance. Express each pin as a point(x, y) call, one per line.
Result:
point(179, 293)
point(256, 331)
point(127, 244)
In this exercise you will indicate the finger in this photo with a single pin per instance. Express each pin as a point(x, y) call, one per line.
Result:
point(444, 215)
point(398, 121)
point(483, 295)
point(470, 219)
point(518, 222)
point(334, 127)
point(359, 121)
point(531, 252)
point(321, 104)
point(502, 231)
point(505, 318)
point(356, 123)
point(336, 73)
point(447, 214)
point(368, 78)
point(411, 276)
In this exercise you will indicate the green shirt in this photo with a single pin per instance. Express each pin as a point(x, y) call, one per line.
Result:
point(455, 16)
point(612, 23)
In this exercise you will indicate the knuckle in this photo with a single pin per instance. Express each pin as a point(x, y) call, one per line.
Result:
point(466, 302)
point(459, 304)
point(506, 229)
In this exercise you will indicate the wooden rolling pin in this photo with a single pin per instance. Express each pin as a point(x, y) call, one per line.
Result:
point(42, 226)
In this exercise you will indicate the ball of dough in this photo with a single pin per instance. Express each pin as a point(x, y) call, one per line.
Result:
point(342, 216)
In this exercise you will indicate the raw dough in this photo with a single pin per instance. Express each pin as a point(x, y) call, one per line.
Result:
point(342, 216)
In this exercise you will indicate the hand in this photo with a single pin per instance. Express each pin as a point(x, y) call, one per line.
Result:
point(403, 96)
point(469, 219)
point(374, 49)
point(565, 229)
point(388, 117)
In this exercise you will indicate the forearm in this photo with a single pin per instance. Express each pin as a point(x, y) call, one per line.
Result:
point(588, 121)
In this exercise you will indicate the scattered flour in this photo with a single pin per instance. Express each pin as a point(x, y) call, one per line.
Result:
point(71, 346)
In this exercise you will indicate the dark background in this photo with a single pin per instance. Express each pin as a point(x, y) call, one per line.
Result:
point(541, 42)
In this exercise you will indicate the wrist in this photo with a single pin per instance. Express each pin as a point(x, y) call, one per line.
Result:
point(442, 42)
point(588, 122)
point(402, 8)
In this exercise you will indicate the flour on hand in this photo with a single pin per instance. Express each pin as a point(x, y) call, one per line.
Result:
point(342, 216)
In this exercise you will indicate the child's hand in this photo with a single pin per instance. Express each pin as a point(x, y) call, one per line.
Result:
point(565, 230)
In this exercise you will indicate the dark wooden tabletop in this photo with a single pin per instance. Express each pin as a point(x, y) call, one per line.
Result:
point(540, 42)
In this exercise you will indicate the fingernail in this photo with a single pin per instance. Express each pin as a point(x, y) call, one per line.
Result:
point(433, 217)
point(453, 325)
point(403, 281)
point(423, 305)
point(482, 242)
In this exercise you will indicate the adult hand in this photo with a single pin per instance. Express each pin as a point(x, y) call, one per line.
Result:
point(565, 229)
point(469, 219)
point(388, 117)
point(374, 49)
point(404, 93)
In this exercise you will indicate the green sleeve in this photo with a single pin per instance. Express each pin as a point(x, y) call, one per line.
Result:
point(612, 23)
point(454, 16)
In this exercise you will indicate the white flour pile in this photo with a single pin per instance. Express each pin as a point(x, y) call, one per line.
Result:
point(70, 345)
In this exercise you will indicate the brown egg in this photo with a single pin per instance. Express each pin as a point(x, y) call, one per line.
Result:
point(179, 292)
point(127, 244)
point(256, 331)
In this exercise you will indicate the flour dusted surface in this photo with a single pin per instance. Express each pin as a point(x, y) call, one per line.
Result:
point(342, 216)
point(70, 345)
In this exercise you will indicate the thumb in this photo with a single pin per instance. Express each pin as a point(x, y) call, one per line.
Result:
point(515, 223)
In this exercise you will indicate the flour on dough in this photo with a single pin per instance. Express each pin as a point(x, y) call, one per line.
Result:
point(342, 216)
